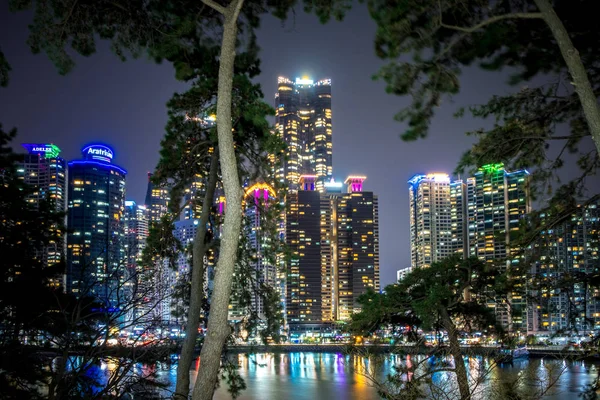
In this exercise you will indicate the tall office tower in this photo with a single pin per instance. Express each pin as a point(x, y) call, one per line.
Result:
point(157, 200)
point(95, 242)
point(356, 219)
point(564, 258)
point(46, 173)
point(334, 239)
point(303, 236)
point(497, 200)
point(303, 121)
point(431, 212)
point(136, 223)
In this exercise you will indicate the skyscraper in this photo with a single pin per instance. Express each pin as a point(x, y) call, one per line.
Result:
point(44, 171)
point(355, 218)
point(496, 201)
point(95, 242)
point(565, 257)
point(472, 218)
point(334, 240)
point(258, 198)
point(135, 234)
point(304, 302)
point(157, 200)
point(303, 121)
point(431, 208)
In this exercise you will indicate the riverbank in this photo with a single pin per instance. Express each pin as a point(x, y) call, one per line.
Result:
point(536, 352)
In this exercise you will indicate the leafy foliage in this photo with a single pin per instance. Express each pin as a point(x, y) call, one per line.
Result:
point(424, 294)
point(540, 127)
point(26, 231)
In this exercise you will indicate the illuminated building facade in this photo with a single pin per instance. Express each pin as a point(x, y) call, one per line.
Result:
point(304, 303)
point(46, 173)
point(568, 252)
point(157, 200)
point(136, 223)
point(472, 218)
point(136, 232)
point(431, 222)
point(303, 121)
point(171, 281)
point(496, 201)
point(334, 240)
point(171, 307)
point(258, 199)
point(355, 261)
point(193, 197)
point(95, 241)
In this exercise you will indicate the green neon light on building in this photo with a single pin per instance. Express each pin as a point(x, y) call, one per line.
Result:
point(54, 151)
point(492, 168)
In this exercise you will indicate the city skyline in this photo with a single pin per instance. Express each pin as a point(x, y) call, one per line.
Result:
point(81, 107)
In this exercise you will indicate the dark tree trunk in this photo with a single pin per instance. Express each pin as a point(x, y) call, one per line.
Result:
point(218, 327)
point(459, 363)
point(182, 389)
point(583, 87)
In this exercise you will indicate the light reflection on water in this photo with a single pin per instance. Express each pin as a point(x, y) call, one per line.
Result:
point(330, 376)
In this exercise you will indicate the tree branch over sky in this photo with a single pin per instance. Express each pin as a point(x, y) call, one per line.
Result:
point(552, 49)
point(210, 29)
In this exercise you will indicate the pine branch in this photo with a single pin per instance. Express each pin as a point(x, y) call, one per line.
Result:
point(490, 21)
point(215, 6)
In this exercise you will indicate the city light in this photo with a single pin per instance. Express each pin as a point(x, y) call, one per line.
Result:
point(492, 168)
point(439, 177)
point(98, 152)
point(304, 81)
point(47, 150)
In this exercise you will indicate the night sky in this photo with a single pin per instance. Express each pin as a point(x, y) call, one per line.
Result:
point(123, 105)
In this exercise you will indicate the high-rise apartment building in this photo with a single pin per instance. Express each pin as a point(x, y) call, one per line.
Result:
point(304, 301)
point(46, 173)
point(334, 240)
point(473, 218)
point(136, 232)
point(95, 241)
point(157, 200)
point(565, 257)
point(430, 219)
point(171, 307)
point(496, 201)
point(355, 247)
point(303, 121)
point(137, 277)
point(258, 199)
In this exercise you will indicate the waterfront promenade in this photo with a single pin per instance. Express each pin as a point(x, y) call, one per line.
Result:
point(534, 351)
